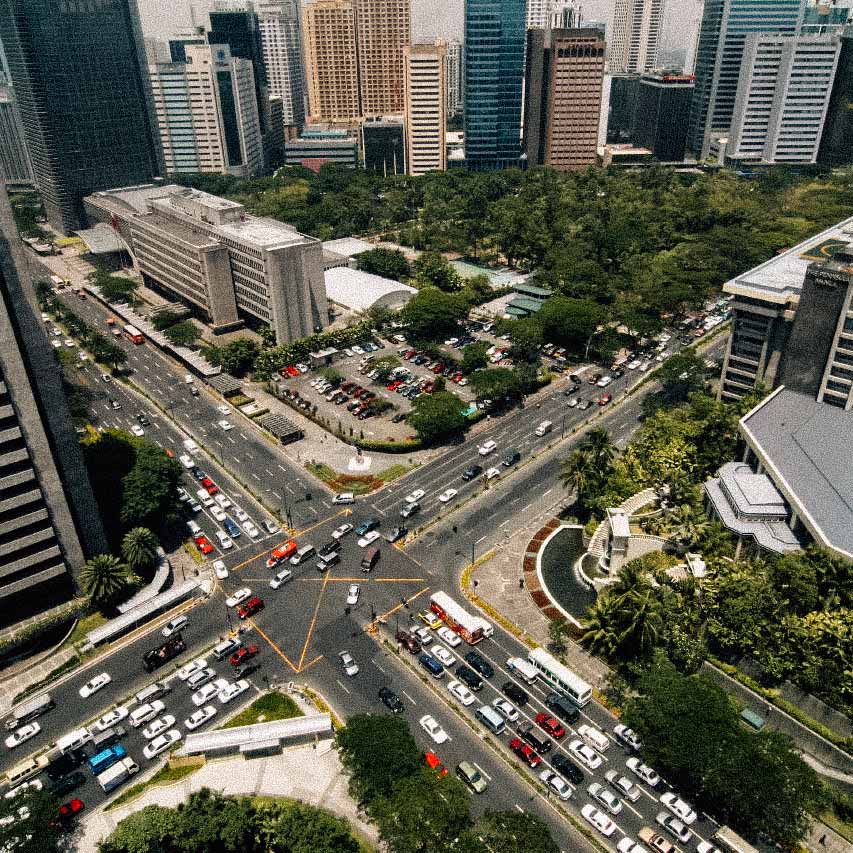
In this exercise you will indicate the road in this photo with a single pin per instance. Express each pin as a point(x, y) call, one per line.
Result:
point(305, 624)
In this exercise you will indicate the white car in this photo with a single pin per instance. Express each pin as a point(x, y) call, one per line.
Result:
point(368, 539)
point(174, 625)
point(673, 825)
point(633, 365)
point(344, 498)
point(348, 663)
point(224, 410)
point(201, 677)
point(241, 514)
point(69, 342)
point(585, 754)
point(491, 473)
point(217, 512)
point(505, 708)
point(34, 785)
point(225, 541)
point(22, 734)
point(96, 684)
point(678, 807)
point(430, 725)
point(487, 447)
point(222, 500)
point(219, 569)
point(250, 528)
point(623, 785)
point(598, 819)
point(556, 783)
point(270, 526)
point(158, 726)
point(459, 691)
point(627, 737)
point(448, 495)
point(200, 717)
point(191, 668)
point(111, 718)
point(146, 712)
point(424, 636)
point(643, 771)
point(161, 744)
point(340, 532)
point(82, 356)
point(438, 651)
point(357, 350)
point(415, 496)
point(605, 796)
point(56, 344)
point(241, 595)
point(572, 402)
point(449, 636)
point(281, 578)
point(207, 692)
point(233, 690)
point(224, 425)
point(137, 430)
point(353, 593)
point(186, 460)
point(626, 845)
point(704, 847)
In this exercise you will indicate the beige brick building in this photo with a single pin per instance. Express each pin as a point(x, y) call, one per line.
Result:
point(425, 107)
point(383, 30)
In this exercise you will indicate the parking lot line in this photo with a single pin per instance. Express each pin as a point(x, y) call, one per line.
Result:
point(276, 649)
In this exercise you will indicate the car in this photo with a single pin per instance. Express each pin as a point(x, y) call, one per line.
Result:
point(449, 636)
point(223, 501)
point(471, 472)
point(605, 796)
point(415, 496)
point(68, 342)
point(368, 539)
point(281, 578)
point(240, 595)
point(448, 495)
point(551, 725)
point(408, 510)
point(194, 505)
point(424, 636)
point(209, 486)
point(643, 771)
point(290, 370)
point(506, 709)
point(623, 785)
point(348, 663)
point(243, 654)
point(442, 655)
point(22, 734)
point(396, 534)
point(68, 811)
point(429, 619)
point(250, 608)
point(219, 570)
point(476, 661)
point(66, 784)
point(137, 430)
point(146, 712)
point(583, 405)
point(511, 689)
point(367, 526)
point(598, 819)
point(674, 826)
point(525, 752)
point(203, 544)
point(678, 807)
point(270, 526)
point(159, 725)
point(96, 684)
point(161, 743)
point(565, 766)
point(344, 498)
point(585, 754)
point(353, 593)
point(111, 718)
point(471, 777)
point(174, 625)
point(282, 553)
point(627, 737)
point(191, 668)
point(218, 513)
point(114, 404)
point(492, 473)
point(325, 563)
point(487, 447)
point(556, 783)
point(707, 847)
point(56, 344)
point(233, 690)
point(224, 425)
point(200, 717)
point(656, 841)
point(628, 845)
point(391, 700)
point(461, 693)
point(409, 641)
point(201, 677)
point(431, 726)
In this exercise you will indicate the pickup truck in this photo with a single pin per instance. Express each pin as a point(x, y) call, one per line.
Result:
point(118, 773)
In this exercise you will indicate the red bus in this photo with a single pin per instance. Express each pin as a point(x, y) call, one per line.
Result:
point(133, 334)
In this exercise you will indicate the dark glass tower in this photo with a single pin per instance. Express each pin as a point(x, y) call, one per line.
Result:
point(494, 70)
point(76, 69)
point(836, 144)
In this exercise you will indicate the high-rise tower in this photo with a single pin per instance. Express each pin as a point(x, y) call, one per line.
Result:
point(281, 40)
point(635, 39)
point(383, 30)
point(425, 102)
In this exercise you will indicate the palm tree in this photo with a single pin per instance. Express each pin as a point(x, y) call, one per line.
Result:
point(139, 548)
point(577, 473)
point(639, 615)
point(600, 448)
point(600, 629)
point(103, 578)
point(688, 525)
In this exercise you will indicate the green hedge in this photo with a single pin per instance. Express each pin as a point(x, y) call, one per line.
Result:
point(389, 446)
point(70, 610)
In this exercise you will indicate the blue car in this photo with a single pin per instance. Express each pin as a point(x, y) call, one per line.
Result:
point(231, 527)
point(367, 526)
point(432, 665)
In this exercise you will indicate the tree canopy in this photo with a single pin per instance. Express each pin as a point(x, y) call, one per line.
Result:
point(432, 314)
point(389, 263)
point(437, 416)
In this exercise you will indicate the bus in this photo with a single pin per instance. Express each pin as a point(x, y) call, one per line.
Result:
point(106, 758)
point(471, 628)
point(31, 709)
point(729, 841)
point(560, 677)
point(133, 334)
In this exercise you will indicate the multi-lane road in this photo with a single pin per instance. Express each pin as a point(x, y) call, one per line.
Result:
point(306, 623)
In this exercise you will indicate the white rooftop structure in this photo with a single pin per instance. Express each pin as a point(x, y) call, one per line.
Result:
point(359, 290)
point(244, 738)
point(347, 247)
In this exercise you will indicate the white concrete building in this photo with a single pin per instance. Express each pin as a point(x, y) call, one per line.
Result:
point(635, 39)
point(782, 98)
point(425, 98)
point(542, 14)
point(281, 40)
point(454, 67)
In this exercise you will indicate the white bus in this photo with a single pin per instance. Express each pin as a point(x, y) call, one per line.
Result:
point(560, 677)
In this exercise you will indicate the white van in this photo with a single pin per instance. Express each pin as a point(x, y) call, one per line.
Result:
point(595, 738)
point(303, 554)
point(204, 498)
point(23, 771)
point(193, 528)
point(486, 627)
point(190, 446)
point(523, 669)
point(73, 740)
point(544, 428)
point(153, 691)
point(144, 713)
point(491, 719)
point(225, 648)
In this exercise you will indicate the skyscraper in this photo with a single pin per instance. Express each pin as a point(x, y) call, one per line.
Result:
point(15, 166)
point(660, 114)
point(635, 39)
point(494, 69)
point(77, 72)
point(835, 146)
point(383, 30)
point(281, 41)
point(453, 75)
point(725, 25)
point(331, 66)
point(425, 101)
point(562, 101)
point(550, 13)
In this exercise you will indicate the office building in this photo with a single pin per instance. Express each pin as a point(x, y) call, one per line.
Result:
point(621, 107)
point(316, 146)
point(494, 70)
point(207, 113)
point(836, 148)
point(227, 265)
point(49, 521)
point(557, 14)
point(782, 98)
point(722, 34)
point(178, 45)
point(826, 17)
point(660, 117)
point(383, 30)
point(562, 106)
point(383, 144)
point(81, 93)
point(425, 115)
point(635, 39)
point(453, 65)
point(331, 67)
point(15, 165)
point(281, 40)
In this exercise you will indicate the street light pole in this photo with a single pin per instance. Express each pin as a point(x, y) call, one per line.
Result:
point(563, 428)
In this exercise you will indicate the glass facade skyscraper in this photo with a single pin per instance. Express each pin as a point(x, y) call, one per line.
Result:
point(494, 70)
point(76, 69)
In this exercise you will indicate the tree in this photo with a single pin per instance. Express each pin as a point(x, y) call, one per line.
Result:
point(148, 830)
point(39, 831)
point(103, 579)
point(508, 832)
point(437, 416)
point(570, 323)
point(526, 336)
point(383, 366)
point(116, 288)
point(208, 822)
point(586, 470)
point(389, 263)
point(112, 355)
point(557, 635)
point(139, 549)
point(235, 357)
point(291, 827)
point(474, 357)
point(163, 319)
point(149, 489)
point(432, 269)
point(183, 334)
point(680, 376)
point(432, 315)
point(498, 383)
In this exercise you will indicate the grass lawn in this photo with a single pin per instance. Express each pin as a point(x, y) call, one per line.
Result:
point(83, 626)
point(355, 483)
point(842, 827)
point(265, 709)
point(164, 776)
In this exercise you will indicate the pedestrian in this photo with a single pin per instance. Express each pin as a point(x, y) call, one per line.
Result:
point(521, 583)
point(822, 840)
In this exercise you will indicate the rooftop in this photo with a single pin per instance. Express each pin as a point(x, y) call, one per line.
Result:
point(359, 290)
point(347, 247)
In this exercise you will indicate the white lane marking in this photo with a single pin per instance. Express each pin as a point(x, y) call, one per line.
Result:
point(342, 686)
point(277, 495)
point(479, 540)
point(482, 772)
point(519, 808)
point(545, 495)
point(282, 469)
point(378, 666)
point(410, 698)
point(524, 509)
point(256, 476)
point(505, 523)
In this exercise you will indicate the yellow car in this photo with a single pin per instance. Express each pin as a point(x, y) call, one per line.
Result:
point(430, 619)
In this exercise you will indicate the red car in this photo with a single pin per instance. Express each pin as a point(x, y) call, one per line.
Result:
point(71, 809)
point(524, 752)
point(243, 654)
point(203, 544)
point(357, 391)
point(604, 399)
point(291, 370)
point(211, 487)
point(250, 608)
point(457, 377)
point(410, 354)
point(393, 386)
point(437, 367)
point(551, 725)
point(434, 763)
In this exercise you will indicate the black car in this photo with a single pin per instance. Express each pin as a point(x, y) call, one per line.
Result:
point(391, 700)
point(515, 693)
point(535, 738)
point(618, 373)
point(64, 765)
point(66, 784)
point(397, 533)
point(143, 420)
point(398, 418)
point(473, 471)
point(367, 526)
point(563, 707)
point(198, 473)
point(478, 662)
point(566, 767)
point(471, 679)
point(246, 670)
point(330, 548)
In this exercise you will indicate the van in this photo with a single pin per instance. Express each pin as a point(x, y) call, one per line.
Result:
point(73, 740)
point(26, 769)
point(102, 740)
point(563, 707)
point(31, 709)
point(595, 738)
point(106, 758)
point(306, 552)
point(491, 719)
point(193, 528)
point(485, 627)
point(370, 559)
point(204, 498)
point(523, 669)
point(432, 665)
point(225, 648)
point(532, 735)
point(145, 712)
point(544, 428)
point(190, 446)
